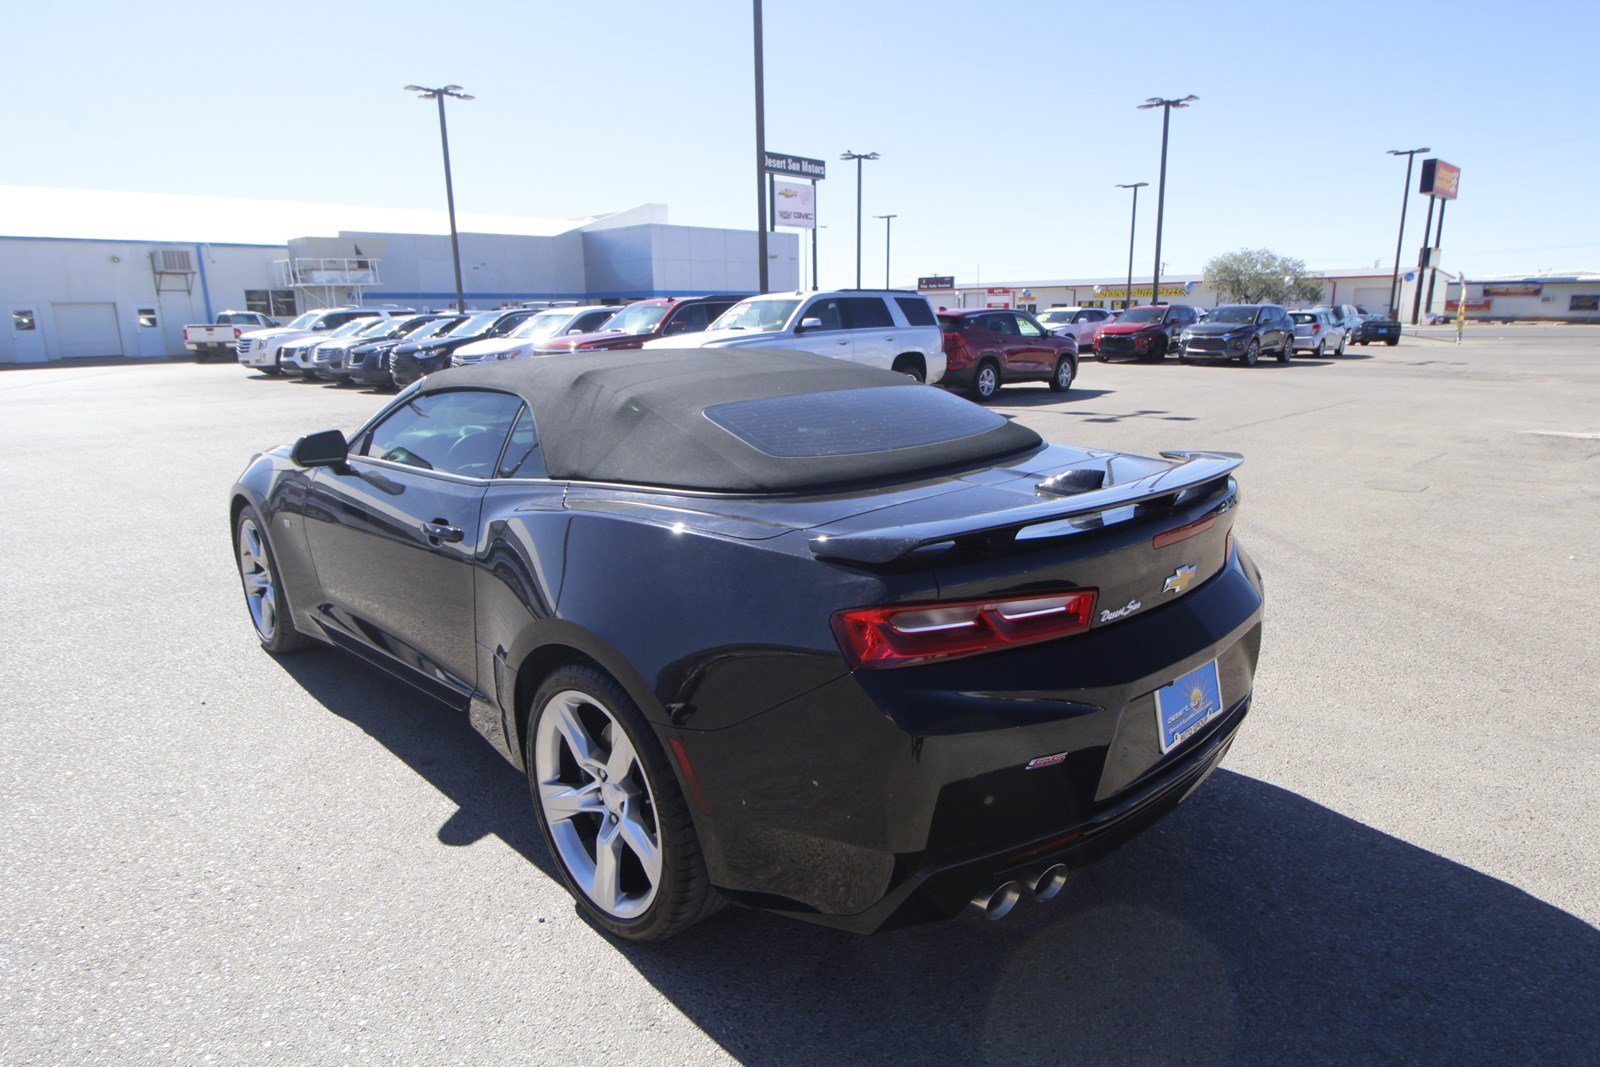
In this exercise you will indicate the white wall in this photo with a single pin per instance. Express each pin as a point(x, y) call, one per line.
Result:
point(43, 273)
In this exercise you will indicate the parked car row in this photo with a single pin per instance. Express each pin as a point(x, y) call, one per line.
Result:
point(894, 330)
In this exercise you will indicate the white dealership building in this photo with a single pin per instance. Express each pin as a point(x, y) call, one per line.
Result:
point(87, 273)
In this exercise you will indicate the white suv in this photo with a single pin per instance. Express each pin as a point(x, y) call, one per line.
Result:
point(885, 328)
point(258, 349)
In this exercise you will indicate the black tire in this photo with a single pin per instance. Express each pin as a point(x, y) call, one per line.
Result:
point(1252, 354)
point(1343, 342)
point(1065, 372)
point(270, 372)
point(1157, 356)
point(911, 367)
point(1319, 352)
point(280, 637)
point(986, 381)
point(1392, 343)
point(684, 895)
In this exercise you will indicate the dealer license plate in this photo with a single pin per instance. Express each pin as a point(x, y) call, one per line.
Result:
point(1186, 705)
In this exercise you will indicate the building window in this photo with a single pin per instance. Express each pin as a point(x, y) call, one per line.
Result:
point(22, 319)
point(1093, 304)
point(1584, 302)
point(274, 303)
point(147, 318)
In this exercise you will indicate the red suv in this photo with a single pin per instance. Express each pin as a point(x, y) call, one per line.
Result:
point(1144, 333)
point(645, 320)
point(984, 348)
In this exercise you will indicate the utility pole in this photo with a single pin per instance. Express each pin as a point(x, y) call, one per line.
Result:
point(859, 157)
point(888, 221)
point(1166, 107)
point(1133, 224)
point(761, 157)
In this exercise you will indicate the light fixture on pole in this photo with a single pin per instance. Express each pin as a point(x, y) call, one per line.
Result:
point(1405, 193)
point(888, 221)
point(1166, 107)
point(1133, 223)
point(859, 157)
point(455, 93)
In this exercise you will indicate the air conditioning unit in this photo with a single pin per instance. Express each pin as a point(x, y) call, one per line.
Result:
point(172, 261)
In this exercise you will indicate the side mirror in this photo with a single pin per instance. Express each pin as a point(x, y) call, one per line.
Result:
point(325, 449)
point(812, 323)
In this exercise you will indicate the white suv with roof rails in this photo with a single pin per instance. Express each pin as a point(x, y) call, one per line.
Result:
point(258, 349)
point(888, 328)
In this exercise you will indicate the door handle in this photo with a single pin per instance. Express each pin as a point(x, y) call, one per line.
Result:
point(842, 342)
point(440, 532)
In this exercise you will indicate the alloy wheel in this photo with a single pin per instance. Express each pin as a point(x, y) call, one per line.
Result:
point(260, 592)
point(598, 804)
point(1064, 374)
point(1252, 353)
point(988, 381)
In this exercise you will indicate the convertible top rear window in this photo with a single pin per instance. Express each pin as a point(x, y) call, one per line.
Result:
point(850, 422)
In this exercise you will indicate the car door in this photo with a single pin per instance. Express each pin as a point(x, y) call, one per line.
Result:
point(393, 532)
point(873, 333)
point(828, 335)
point(1033, 354)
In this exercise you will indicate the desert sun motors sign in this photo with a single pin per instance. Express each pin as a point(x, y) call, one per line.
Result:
point(795, 204)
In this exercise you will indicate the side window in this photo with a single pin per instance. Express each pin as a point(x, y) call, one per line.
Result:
point(458, 432)
point(522, 458)
point(691, 319)
point(1003, 324)
point(1264, 315)
point(828, 311)
point(916, 310)
point(1027, 327)
point(865, 312)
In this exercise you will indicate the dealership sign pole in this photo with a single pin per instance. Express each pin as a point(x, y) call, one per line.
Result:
point(761, 152)
point(1441, 181)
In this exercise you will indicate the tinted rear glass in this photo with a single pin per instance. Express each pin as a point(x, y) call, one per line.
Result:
point(916, 310)
point(865, 312)
point(850, 422)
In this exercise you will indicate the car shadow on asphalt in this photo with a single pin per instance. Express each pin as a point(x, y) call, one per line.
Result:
point(1253, 925)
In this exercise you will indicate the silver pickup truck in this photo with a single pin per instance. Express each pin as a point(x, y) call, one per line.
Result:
point(218, 338)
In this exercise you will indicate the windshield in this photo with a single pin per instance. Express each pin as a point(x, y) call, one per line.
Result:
point(1151, 313)
point(637, 318)
point(543, 324)
point(763, 316)
point(1056, 316)
point(354, 326)
point(1245, 313)
point(374, 327)
point(435, 328)
point(476, 324)
point(304, 321)
point(507, 325)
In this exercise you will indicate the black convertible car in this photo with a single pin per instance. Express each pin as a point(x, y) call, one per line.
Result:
point(775, 628)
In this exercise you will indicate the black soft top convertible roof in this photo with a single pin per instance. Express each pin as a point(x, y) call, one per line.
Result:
point(639, 416)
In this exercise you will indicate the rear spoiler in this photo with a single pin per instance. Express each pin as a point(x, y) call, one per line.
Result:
point(1191, 469)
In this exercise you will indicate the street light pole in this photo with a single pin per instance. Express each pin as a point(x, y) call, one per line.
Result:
point(1166, 107)
point(1133, 224)
point(888, 221)
point(1405, 194)
point(453, 91)
point(859, 157)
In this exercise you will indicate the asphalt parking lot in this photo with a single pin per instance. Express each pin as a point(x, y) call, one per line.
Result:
point(211, 855)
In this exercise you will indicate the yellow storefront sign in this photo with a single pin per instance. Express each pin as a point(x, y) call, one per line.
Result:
point(1140, 290)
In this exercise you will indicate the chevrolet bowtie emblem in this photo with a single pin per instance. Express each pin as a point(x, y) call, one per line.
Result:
point(1179, 579)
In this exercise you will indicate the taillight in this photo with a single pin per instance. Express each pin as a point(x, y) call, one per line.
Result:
point(1182, 533)
point(186, 333)
point(955, 350)
point(907, 634)
point(1316, 328)
point(237, 333)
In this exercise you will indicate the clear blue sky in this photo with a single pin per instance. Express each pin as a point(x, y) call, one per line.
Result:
point(1003, 127)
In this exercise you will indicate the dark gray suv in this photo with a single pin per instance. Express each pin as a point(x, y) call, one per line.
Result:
point(1245, 332)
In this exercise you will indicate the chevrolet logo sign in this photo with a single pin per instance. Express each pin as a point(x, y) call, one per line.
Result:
point(1179, 579)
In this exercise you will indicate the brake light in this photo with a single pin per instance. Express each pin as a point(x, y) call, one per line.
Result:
point(907, 634)
point(237, 333)
point(1182, 533)
point(186, 333)
point(955, 351)
point(1316, 328)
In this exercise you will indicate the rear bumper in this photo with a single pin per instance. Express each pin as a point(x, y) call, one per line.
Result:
point(890, 797)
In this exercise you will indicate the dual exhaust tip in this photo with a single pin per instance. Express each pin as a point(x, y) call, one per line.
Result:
point(997, 903)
